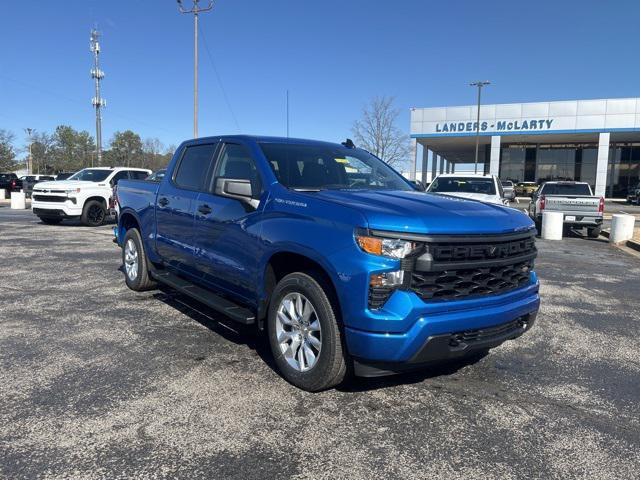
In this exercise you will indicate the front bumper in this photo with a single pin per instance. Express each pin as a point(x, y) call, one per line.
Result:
point(64, 209)
point(432, 325)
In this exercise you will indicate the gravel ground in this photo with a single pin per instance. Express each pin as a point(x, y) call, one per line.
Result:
point(97, 381)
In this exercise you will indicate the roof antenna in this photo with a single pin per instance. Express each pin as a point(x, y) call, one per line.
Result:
point(349, 143)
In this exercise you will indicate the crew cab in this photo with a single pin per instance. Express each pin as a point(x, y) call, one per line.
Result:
point(345, 265)
point(84, 195)
point(575, 200)
point(486, 188)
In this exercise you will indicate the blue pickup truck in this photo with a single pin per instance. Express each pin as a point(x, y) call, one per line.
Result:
point(345, 265)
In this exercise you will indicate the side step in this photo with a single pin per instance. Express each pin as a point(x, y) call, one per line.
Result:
point(233, 311)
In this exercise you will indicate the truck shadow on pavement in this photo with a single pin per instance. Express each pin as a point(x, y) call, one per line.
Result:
point(258, 342)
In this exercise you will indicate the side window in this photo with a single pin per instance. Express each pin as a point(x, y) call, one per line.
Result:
point(122, 174)
point(236, 162)
point(137, 175)
point(193, 167)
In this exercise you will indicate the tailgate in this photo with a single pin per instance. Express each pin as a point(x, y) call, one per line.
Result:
point(581, 205)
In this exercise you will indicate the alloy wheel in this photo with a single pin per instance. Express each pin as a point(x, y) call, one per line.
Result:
point(298, 331)
point(131, 259)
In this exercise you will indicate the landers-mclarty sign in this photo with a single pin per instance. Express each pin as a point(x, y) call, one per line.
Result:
point(498, 126)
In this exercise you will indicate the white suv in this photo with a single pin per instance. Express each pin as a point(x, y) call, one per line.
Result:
point(486, 188)
point(85, 195)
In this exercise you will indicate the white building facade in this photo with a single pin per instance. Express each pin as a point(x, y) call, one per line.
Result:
point(596, 141)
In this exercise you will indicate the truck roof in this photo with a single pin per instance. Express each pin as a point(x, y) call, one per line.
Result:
point(263, 139)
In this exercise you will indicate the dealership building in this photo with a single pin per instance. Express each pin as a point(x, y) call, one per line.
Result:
point(594, 141)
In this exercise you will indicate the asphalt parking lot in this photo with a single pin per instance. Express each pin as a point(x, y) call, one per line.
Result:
point(97, 381)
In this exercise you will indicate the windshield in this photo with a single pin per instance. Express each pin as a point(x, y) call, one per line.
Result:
point(484, 186)
point(320, 167)
point(91, 175)
point(566, 189)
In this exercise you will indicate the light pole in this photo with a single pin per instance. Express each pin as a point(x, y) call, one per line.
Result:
point(479, 84)
point(195, 10)
point(29, 132)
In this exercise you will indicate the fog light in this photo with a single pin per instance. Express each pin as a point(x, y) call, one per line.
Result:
point(387, 279)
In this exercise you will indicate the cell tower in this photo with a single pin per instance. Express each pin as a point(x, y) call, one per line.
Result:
point(98, 102)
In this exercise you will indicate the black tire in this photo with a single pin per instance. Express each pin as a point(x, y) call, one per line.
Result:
point(93, 213)
point(330, 367)
point(50, 220)
point(138, 278)
point(594, 232)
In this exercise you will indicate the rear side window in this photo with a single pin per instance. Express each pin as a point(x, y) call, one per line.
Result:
point(566, 189)
point(194, 166)
point(136, 175)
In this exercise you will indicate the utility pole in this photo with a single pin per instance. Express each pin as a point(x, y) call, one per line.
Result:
point(29, 132)
point(196, 11)
point(479, 84)
point(98, 102)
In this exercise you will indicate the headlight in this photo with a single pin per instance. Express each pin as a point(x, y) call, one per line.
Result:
point(387, 247)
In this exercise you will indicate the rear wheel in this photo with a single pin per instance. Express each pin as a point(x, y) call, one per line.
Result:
point(304, 334)
point(594, 232)
point(50, 220)
point(134, 260)
point(93, 214)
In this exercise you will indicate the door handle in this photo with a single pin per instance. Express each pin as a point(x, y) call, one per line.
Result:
point(163, 202)
point(204, 209)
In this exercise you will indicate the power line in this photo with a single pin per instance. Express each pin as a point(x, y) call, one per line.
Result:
point(224, 93)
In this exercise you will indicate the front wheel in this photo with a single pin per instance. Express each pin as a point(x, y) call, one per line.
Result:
point(304, 334)
point(93, 214)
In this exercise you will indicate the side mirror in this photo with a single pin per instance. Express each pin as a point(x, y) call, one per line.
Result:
point(419, 185)
point(234, 188)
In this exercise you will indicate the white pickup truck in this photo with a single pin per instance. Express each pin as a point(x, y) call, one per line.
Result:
point(84, 195)
point(575, 200)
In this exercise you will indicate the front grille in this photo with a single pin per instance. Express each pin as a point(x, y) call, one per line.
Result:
point(462, 267)
point(470, 282)
point(49, 198)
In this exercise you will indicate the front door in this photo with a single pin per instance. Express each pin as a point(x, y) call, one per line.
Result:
point(175, 206)
point(227, 229)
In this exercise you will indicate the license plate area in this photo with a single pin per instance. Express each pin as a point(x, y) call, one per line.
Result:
point(570, 218)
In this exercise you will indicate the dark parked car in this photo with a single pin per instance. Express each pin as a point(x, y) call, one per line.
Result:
point(30, 180)
point(6, 181)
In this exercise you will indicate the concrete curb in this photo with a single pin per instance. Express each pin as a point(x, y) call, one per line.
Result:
point(633, 244)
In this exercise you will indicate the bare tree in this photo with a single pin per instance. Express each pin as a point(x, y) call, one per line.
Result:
point(377, 132)
point(7, 151)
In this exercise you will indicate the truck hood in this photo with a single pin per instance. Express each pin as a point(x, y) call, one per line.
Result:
point(418, 212)
point(68, 184)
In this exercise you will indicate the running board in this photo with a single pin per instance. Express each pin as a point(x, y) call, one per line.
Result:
point(233, 311)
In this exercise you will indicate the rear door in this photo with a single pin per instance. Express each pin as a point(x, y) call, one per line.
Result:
point(227, 230)
point(175, 206)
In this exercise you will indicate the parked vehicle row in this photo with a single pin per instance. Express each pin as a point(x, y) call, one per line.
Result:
point(345, 265)
point(486, 188)
point(85, 195)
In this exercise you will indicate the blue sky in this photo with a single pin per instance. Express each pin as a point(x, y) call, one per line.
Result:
point(332, 56)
